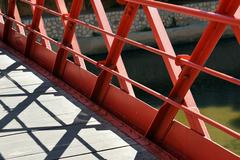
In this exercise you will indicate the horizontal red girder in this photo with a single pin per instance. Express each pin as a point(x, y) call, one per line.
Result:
point(131, 110)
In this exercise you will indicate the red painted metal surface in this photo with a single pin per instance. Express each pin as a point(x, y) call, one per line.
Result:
point(8, 23)
point(42, 29)
point(101, 87)
point(200, 55)
point(158, 125)
point(104, 24)
point(69, 31)
point(164, 44)
point(74, 44)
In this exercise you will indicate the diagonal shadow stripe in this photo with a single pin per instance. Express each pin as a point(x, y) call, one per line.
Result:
point(36, 140)
point(1, 157)
point(72, 129)
point(72, 132)
point(27, 94)
point(9, 69)
point(13, 114)
point(33, 98)
point(48, 128)
point(68, 137)
point(23, 105)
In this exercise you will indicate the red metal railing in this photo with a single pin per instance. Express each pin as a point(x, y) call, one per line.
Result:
point(158, 126)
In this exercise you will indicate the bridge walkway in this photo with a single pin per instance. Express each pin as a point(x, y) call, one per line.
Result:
point(38, 120)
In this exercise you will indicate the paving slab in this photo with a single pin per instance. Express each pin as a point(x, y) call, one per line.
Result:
point(40, 121)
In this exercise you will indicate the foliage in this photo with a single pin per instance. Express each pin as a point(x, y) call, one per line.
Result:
point(228, 117)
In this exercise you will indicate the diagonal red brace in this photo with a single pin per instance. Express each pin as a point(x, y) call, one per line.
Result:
point(163, 120)
point(68, 36)
point(236, 29)
point(8, 23)
point(104, 79)
point(104, 24)
point(74, 43)
point(34, 26)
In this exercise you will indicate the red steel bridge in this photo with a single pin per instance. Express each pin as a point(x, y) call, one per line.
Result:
point(27, 49)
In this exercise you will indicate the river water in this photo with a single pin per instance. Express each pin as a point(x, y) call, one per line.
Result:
point(207, 90)
point(215, 98)
point(149, 69)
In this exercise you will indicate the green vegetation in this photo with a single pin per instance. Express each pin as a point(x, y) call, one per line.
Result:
point(227, 116)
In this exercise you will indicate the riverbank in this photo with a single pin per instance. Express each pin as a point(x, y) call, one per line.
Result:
point(54, 26)
point(177, 35)
point(149, 69)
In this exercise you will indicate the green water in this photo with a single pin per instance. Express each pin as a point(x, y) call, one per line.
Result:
point(226, 116)
point(217, 99)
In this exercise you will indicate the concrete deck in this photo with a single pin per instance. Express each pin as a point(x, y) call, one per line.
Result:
point(40, 121)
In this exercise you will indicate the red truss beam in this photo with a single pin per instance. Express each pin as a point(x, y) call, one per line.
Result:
point(74, 43)
point(1, 17)
point(200, 55)
point(8, 23)
point(236, 29)
point(157, 125)
point(104, 24)
point(179, 60)
point(42, 29)
point(69, 32)
point(210, 16)
point(17, 17)
point(35, 26)
point(174, 71)
point(102, 84)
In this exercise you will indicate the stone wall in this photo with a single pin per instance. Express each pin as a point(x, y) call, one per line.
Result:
point(55, 29)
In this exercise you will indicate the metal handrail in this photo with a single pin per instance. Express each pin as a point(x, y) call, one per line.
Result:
point(144, 88)
point(179, 9)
